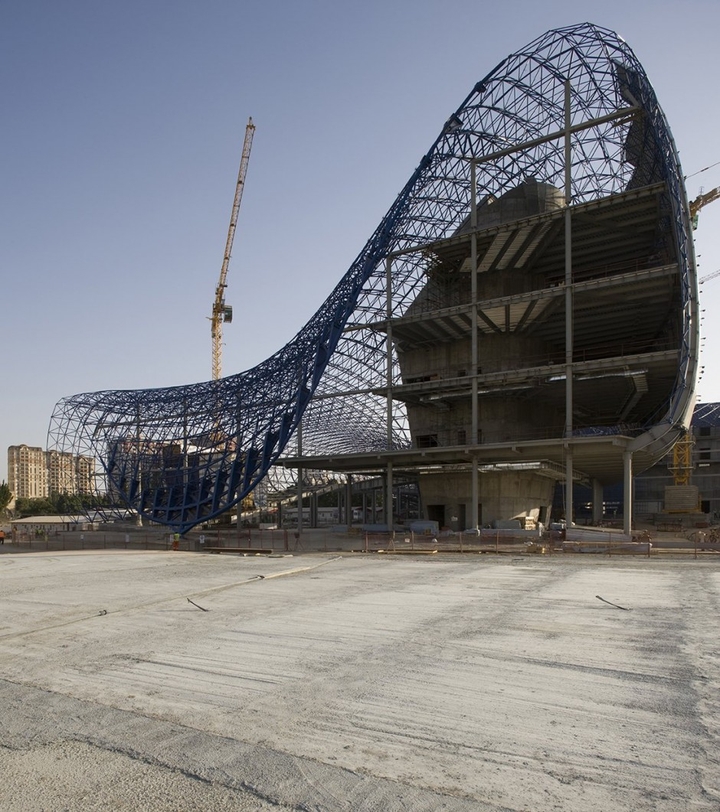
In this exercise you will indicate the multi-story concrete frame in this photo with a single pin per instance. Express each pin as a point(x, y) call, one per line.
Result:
point(554, 334)
point(575, 324)
point(498, 340)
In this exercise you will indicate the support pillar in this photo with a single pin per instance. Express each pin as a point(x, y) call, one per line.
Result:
point(569, 518)
point(389, 496)
point(568, 314)
point(475, 497)
point(348, 502)
point(299, 482)
point(475, 416)
point(627, 492)
point(597, 502)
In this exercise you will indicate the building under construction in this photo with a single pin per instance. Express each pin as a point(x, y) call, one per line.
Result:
point(525, 314)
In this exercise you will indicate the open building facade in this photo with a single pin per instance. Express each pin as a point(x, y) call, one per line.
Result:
point(525, 314)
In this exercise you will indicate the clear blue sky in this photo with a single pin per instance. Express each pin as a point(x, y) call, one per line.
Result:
point(122, 131)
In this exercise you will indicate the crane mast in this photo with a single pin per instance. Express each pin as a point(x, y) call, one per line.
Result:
point(222, 312)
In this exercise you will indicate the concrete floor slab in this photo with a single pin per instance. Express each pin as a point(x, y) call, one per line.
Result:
point(358, 682)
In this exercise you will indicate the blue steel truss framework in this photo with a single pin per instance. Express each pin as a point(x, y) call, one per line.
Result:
point(185, 454)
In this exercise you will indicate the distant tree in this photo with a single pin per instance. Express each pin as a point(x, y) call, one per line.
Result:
point(5, 495)
point(63, 504)
point(33, 507)
point(67, 503)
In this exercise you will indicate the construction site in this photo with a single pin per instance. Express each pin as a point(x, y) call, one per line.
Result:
point(454, 546)
point(522, 326)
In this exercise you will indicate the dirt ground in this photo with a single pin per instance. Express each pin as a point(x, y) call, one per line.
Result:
point(358, 682)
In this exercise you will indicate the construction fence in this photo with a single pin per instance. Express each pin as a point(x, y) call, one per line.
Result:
point(269, 541)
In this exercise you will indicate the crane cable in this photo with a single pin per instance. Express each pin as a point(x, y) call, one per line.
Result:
point(686, 177)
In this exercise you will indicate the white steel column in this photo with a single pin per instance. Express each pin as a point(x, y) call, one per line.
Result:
point(474, 518)
point(389, 383)
point(568, 315)
point(388, 358)
point(138, 435)
point(389, 496)
point(299, 482)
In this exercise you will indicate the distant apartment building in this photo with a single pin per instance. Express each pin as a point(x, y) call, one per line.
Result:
point(27, 472)
point(34, 473)
point(67, 473)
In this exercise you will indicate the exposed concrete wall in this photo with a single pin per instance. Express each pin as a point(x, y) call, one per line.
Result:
point(525, 200)
point(503, 495)
point(496, 353)
point(501, 419)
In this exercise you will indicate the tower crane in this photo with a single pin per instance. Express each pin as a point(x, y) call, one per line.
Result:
point(222, 312)
point(700, 201)
point(709, 277)
point(682, 464)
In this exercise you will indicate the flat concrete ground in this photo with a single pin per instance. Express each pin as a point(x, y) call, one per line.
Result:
point(358, 682)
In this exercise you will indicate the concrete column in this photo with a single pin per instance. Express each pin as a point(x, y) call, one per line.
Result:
point(627, 492)
point(546, 514)
point(597, 502)
point(348, 502)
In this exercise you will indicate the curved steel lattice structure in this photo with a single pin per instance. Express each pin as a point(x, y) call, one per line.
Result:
point(184, 454)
